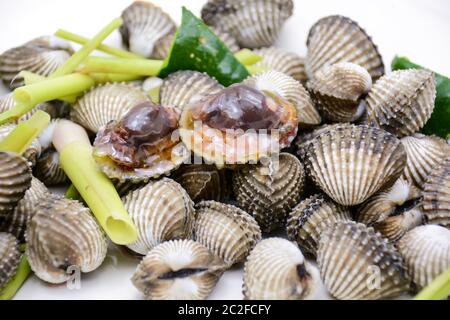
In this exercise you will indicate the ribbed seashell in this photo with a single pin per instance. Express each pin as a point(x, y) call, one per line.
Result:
point(182, 87)
point(402, 102)
point(395, 227)
point(41, 56)
point(277, 270)
point(161, 211)
point(350, 163)
point(229, 232)
point(16, 222)
point(426, 251)
point(63, 235)
point(254, 24)
point(7, 102)
point(356, 263)
point(424, 153)
point(227, 38)
point(270, 190)
point(143, 25)
point(127, 186)
point(9, 257)
point(436, 195)
point(105, 103)
point(203, 182)
point(290, 89)
point(48, 169)
point(15, 180)
point(310, 219)
point(396, 199)
point(283, 61)
point(178, 270)
point(304, 138)
point(337, 90)
point(32, 153)
point(339, 39)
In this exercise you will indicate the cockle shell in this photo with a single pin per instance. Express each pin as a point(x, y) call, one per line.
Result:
point(350, 163)
point(178, 270)
point(15, 180)
point(283, 61)
point(203, 182)
point(105, 103)
point(270, 190)
point(395, 227)
point(226, 230)
point(63, 237)
point(304, 138)
point(32, 153)
point(48, 169)
point(396, 199)
point(9, 257)
point(402, 102)
point(41, 56)
point(339, 39)
point(277, 270)
point(182, 87)
point(290, 89)
point(424, 154)
point(426, 251)
point(254, 24)
point(143, 25)
point(358, 264)
point(436, 195)
point(7, 102)
point(337, 90)
point(310, 219)
point(161, 211)
point(16, 222)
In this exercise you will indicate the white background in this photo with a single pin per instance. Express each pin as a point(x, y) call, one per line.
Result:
point(418, 29)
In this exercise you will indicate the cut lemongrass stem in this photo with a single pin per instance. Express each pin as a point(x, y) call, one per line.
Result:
point(438, 289)
point(78, 57)
point(247, 57)
point(75, 150)
point(142, 67)
point(32, 78)
point(113, 77)
point(16, 282)
point(69, 36)
point(72, 193)
point(25, 132)
point(254, 70)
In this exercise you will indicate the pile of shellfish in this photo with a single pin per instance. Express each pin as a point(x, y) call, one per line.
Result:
point(341, 188)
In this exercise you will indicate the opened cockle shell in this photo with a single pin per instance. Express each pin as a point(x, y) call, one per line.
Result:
point(426, 251)
point(310, 219)
point(161, 211)
point(9, 257)
point(143, 25)
point(277, 270)
point(436, 195)
point(33, 151)
point(337, 90)
point(270, 190)
point(178, 270)
point(105, 103)
point(356, 263)
point(16, 222)
point(41, 56)
point(395, 227)
point(7, 102)
point(15, 180)
point(402, 102)
point(254, 24)
point(339, 39)
point(203, 182)
point(48, 169)
point(183, 87)
point(63, 237)
point(424, 154)
point(226, 230)
point(350, 163)
point(283, 61)
point(400, 197)
point(291, 90)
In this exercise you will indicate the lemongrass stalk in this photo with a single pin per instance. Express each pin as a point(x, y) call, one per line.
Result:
point(75, 150)
point(69, 36)
point(253, 70)
point(113, 77)
point(78, 57)
point(143, 67)
point(16, 282)
point(52, 89)
point(15, 112)
point(438, 289)
point(32, 78)
point(247, 57)
point(72, 193)
point(25, 132)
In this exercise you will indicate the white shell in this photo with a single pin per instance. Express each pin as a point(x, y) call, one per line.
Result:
point(395, 227)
